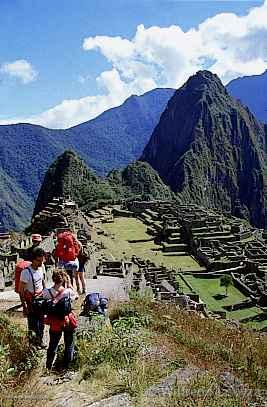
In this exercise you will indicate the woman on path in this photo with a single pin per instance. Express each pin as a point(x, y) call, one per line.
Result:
point(59, 294)
point(83, 258)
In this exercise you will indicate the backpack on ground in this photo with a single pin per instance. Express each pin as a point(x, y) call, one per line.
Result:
point(59, 309)
point(94, 302)
point(21, 265)
point(67, 248)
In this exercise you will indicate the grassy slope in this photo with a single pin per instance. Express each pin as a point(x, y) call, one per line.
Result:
point(147, 342)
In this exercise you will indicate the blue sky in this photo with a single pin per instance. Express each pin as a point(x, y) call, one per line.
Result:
point(64, 61)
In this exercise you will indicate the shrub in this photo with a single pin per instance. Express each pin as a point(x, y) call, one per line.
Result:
point(16, 355)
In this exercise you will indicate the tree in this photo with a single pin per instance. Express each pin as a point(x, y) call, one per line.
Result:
point(226, 281)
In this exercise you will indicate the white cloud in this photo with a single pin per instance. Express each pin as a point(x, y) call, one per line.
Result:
point(226, 44)
point(20, 69)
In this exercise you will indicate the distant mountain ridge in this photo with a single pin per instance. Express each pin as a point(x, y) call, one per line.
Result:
point(252, 91)
point(211, 150)
point(111, 140)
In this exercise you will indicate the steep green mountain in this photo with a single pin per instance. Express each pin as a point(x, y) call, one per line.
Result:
point(15, 205)
point(252, 91)
point(69, 176)
point(211, 150)
point(111, 140)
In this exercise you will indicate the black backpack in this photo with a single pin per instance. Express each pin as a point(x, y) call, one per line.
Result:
point(60, 309)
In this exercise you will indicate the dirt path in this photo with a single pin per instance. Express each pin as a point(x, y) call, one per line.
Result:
point(111, 287)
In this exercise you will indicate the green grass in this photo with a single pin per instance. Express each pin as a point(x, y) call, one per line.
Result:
point(124, 229)
point(208, 287)
point(245, 313)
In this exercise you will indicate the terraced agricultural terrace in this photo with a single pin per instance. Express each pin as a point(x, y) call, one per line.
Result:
point(199, 246)
point(122, 231)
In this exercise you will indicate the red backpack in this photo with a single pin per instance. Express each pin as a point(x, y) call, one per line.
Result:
point(67, 248)
point(21, 265)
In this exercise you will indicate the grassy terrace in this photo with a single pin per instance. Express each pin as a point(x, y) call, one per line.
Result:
point(124, 229)
point(207, 288)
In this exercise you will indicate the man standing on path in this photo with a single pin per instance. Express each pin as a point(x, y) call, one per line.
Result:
point(31, 287)
point(36, 240)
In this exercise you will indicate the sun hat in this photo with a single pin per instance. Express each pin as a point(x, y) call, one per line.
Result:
point(36, 238)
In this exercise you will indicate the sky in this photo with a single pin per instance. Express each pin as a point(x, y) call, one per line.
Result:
point(63, 62)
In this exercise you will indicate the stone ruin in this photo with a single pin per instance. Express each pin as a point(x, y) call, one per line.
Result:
point(220, 244)
point(162, 282)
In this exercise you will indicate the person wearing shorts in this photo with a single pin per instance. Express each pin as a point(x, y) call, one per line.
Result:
point(80, 274)
point(71, 268)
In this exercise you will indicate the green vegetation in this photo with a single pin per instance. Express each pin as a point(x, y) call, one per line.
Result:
point(210, 291)
point(226, 281)
point(145, 343)
point(209, 287)
point(148, 341)
point(17, 357)
point(70, 177)
point(124, 229)
point(112, 140)
point(15, 205)
point(213, 174)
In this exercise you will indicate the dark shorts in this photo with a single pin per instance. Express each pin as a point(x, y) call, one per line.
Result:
point(81, 268)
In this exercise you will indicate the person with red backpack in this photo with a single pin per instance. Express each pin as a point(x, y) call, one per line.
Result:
point(67, 251)
point(30, 288)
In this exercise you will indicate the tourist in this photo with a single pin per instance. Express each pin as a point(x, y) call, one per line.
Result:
point(67, 250)
point(62, 321)
point(36, 240)
point(83, 257)
point(95, 302)
point(31, 287)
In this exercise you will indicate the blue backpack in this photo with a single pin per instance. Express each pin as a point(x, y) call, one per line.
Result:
point(94, 302)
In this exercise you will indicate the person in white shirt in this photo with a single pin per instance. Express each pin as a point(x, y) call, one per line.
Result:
point(31, 286)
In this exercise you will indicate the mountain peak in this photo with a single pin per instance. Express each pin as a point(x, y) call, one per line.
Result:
point(203, 83)
point(209, 149)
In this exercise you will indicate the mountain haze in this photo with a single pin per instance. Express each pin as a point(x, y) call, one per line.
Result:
point(252, 92)
point(111, 140)
point(211, 150)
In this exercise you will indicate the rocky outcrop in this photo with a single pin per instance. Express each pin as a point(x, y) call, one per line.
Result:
point(211, 150)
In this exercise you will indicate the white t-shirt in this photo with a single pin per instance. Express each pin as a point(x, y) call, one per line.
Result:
point(66, 293)
point(38, 276)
